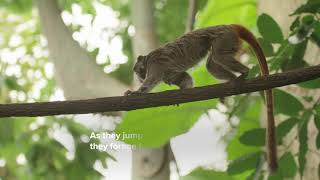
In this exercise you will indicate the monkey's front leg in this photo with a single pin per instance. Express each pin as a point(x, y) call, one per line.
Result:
point(148, 84)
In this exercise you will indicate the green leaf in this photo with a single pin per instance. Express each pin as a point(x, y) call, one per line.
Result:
point(244, 163)
point(228, 12)
point(249, 120)
point(158, 125)
point(11, 83)
point(284, 127)
point(317, 119)
point(316, 39)
point(291, 64)
point(316, 28)
point(307, 20)
point(287, 165)
point(317, 109)
point(296, 60)
point(303, 146)
point(253, 175)
point(254, 71)
point(286, 103)
point(254, 137)
point(282, 55)
point(269, 29)
point(318, 141)
point(276, 176)
point(295, 24)
point(285, 50)
point(7, 127)
point(312, 6)
point(312, 84)
point(202, 77)
point(266, 47)
point(249, 112)
point(200, 174)
point(315, 36)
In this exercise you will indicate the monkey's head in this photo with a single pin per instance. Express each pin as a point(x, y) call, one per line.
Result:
point(140, 68)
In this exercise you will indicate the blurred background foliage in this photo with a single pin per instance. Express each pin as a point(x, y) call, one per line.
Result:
point(29, 147)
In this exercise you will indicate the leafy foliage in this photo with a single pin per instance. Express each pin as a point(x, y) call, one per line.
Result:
point(303, 146)
point(288, 56)
point(312, 6)
point(200, 174)
point(286, 103)
point(269, 29)
point(244, 163)
point(157, 129)
point(312, 84)
point(227, 12)
point(287, 165)
point(284, 127)
point(254, 137)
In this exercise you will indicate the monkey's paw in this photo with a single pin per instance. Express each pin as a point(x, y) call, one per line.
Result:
point(129, 93)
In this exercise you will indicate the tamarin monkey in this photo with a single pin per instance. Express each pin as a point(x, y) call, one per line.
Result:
point(170, 62)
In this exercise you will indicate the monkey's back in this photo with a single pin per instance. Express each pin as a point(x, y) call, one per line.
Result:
point(187, 50)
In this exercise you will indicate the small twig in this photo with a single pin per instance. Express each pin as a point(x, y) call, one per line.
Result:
point(127, 103)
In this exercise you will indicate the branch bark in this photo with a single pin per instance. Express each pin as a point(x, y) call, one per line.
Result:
point(127, 103)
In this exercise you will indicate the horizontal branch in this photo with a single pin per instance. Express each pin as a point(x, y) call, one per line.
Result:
point(127, 103)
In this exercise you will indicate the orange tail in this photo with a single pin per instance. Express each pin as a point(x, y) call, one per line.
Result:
point(247, 36)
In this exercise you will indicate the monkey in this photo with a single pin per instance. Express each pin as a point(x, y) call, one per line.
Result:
point(221, 43)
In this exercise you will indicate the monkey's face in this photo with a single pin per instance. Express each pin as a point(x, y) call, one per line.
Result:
point(140, 68)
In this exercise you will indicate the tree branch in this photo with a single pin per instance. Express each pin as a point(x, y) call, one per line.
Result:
point(127, 103)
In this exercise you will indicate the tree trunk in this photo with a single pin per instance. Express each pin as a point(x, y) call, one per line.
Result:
point(280, 10)
point(147, 164)
point(76, 73)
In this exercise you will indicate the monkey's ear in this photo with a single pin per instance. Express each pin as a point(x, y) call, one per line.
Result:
point(141, 58)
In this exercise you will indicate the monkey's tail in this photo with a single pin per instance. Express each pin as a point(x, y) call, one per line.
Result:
point(247, 36)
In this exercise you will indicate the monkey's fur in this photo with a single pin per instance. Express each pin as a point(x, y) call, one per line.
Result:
point(170, 62)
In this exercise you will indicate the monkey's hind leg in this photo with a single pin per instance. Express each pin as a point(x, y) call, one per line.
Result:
point(224, 49)
point(229, 62)
point(219, 72)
